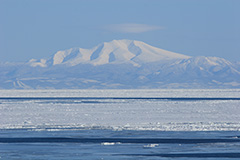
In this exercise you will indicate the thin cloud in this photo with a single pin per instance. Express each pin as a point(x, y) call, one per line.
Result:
point(132, 28)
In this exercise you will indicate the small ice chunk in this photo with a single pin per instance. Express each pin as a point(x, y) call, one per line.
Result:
point(151, 145)
point(107, 143)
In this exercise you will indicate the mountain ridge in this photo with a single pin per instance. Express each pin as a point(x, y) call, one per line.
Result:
point(116, 51)
point(120, 64)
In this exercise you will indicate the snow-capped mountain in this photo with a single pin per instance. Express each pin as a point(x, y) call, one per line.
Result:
point(120, 64)
point(114, 52)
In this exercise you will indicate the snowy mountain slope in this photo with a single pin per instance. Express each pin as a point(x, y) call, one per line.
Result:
point(114, 52)
point(199, 70)
point(204, 65)
point(120, 64)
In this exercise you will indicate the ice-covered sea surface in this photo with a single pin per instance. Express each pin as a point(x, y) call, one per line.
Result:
point(119, 124)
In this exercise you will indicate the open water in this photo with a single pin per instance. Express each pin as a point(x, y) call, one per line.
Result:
point(127, 144)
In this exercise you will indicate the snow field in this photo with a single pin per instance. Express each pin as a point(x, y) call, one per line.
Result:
point(136, 114)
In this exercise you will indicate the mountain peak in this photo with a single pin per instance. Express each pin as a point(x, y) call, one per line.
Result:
point(144, 66)
point(114, 52)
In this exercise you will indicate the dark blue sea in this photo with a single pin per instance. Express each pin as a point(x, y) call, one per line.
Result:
point(74, 144)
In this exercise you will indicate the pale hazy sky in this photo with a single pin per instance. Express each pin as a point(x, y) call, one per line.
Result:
point(39, 28)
